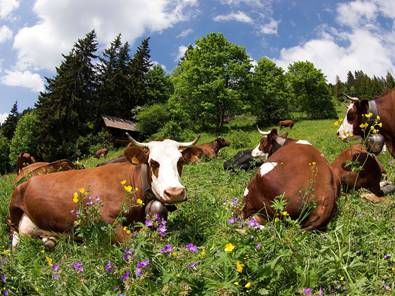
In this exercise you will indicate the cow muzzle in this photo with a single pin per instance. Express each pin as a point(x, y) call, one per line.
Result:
point(174, 195)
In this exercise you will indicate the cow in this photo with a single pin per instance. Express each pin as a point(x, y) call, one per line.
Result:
point(286, 123)
point(209, 150)
point(355, 168)
point(303, 176)
point(24, 159)
point(43, 206)
point(117, 159)
point(364, 116)
point(243, 160)
point(101, 153)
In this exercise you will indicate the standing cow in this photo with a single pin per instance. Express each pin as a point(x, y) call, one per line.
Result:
point(286, 123)
point(363, 115)
point(24, 159)
point(43, 206)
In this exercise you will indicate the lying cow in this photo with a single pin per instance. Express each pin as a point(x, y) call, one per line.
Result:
point(286, 123)
point(101, 153)
point(243, 160)
point(355, 168)
point(210, 149)
point(303, 176)
point(356, 123)
point(43, 206)
point(24, 159)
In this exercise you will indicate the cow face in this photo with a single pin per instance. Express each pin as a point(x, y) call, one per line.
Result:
point(165, 160)
point(222, 142)
point(353, 119)
point(266, 146)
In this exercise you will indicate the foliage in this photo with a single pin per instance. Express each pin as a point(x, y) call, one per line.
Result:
point(211, 81)
point(23, 139)
point(4, 151)
point(173, 130)
point(8, 127)
point(159, 85)
point(152, 118)
point(270, 104)
point(309, 91)
point(89, 144)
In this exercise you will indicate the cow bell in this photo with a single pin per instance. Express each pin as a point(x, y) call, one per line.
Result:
point(375, 143)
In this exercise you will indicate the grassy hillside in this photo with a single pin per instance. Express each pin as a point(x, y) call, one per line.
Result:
point(354, 257)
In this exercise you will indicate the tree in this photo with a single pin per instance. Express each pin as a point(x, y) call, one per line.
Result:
point(66, 109)
point(9, 125)
point(159, 85)
point(339, 89)
point(310, 91)
point(211, 81)
point(389, 81)
point(4, 151)
point(270, 94)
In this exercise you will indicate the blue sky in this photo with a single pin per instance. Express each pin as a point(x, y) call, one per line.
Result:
point(337, 36)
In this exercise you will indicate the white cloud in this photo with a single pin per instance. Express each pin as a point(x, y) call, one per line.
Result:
point(5, 34)
point(161, 65)
point(363, 45)
point(7, 6)
point(270, 28)
point(60, 23)
point(238, 16)
point(181, 52)
point(3, 117)
point(253, 3)
point(185, 33)
point(27, 79)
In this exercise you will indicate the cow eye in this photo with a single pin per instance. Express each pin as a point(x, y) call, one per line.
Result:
point(154, 164)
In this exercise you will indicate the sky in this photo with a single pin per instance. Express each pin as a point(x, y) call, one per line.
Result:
point(337, 36)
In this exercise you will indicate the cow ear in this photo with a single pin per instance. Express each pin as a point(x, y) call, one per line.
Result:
point(362, 106)
point(273, 132)
point(136, 155)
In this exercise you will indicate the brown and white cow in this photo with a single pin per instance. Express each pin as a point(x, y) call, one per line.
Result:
point(210, 149)
point(24, 159)
point(42, 206)
point(355, 168)
point(303, 176)
point(383, 106)
point(271, 142)
point(286, 123)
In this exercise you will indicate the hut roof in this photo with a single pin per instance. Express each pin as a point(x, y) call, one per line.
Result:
point(119, 123)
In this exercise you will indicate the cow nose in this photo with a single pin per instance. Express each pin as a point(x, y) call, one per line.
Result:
point(175, 194)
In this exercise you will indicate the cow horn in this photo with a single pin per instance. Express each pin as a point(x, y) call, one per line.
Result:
point(262, 132)
point(188, 144)
point(354, 99)
point(136, 143)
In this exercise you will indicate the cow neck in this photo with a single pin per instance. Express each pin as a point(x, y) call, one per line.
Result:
point(281, 141)
point(148, 195)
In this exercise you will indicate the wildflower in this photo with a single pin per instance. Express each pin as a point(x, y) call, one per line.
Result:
point(380, 124)
point(192, 248)
point(193, 265)
point(127, 230)
point(125, 276)
point(276, 220)
point(109, 266)
point(234, 201)
point(149, 223)
point(232, 220)
point(174, 254)
point(386, 287)
point(368, 115)
point(138, 272)
point(162, 229)
point(252, 223)
point(248, 285)
point(336, 123)
point(75, 197)
point(229, 247)
point(3, 278)
point(55, 267)
point(128, 188)
point(284, 213)
point(77, 266)
point(364, 125)
point(82, 190)
point(123, 182)
point(239, 266)
point(307, 291)
point(49, 260)
point(167, 249)
point(127, 254)
point(202, 254)
point(387, 256)
point(321, 292)
point(139, 201)
point(5, 292)
point(236, 283)
point(143, 264)
point(258, 246)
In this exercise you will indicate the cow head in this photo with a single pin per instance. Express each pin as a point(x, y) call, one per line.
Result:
point(165, 160)
point(221, 142)
point(351, 125)
point(269, 143)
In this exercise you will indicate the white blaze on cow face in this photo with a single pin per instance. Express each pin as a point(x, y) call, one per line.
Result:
point(303, 142)
point(166, 182)
point(267, 167)
point(258, 153)
point(346, 129)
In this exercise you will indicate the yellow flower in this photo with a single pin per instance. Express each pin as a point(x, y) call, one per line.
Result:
point(174, 254)
point(370, 114)
point(378, 117)
point(126, 230)
point(82, 190)
point(202, 254)
point(284, 213)
point(239, 266)
point(336, 123)
point(123, 182)
point(229, 247)
point(236, 283)
point(276, 220)
point(380, 124)
point(6, 252)
point(139, 201)
point(128, 188)
point(364, 125)
point(75, 197)
point(49, 260)
point(248, 285)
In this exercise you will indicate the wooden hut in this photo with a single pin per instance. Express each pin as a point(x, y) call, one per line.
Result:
point(117, 128)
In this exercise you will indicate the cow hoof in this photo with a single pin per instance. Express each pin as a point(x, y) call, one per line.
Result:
point(49, 243)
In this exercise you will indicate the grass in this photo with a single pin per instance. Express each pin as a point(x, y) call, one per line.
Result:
point(355, 256)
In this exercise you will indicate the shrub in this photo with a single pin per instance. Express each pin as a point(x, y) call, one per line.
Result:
point(174, 131)
point(240, 139)
point(4, 151)
point(151, 118)
point(88, 145)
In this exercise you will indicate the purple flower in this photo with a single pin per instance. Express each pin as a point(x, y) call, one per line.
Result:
point(3, 278)
point(232, 220)
point(108, 267)
point(56, 276)
point(162, 230)
point(321, 292)
point(127, 254)
point(234, 201)
point(55, 267)
point(252, 223)
point(193, 265)
point(78, 266)
point(138, 272)
point(143, 264)
point(5, 292)
point(149, 223)
point(387, 256)
point(167, 249)
point(258, 246)
point(192, 248)
point(125, 276)
point(307, 291)
point(158, 218)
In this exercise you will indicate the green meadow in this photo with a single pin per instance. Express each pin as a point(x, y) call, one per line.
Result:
point(202, 253)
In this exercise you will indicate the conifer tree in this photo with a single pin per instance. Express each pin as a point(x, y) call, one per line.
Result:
point(9, 125)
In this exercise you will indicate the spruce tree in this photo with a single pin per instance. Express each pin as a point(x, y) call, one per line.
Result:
point(9, 125)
